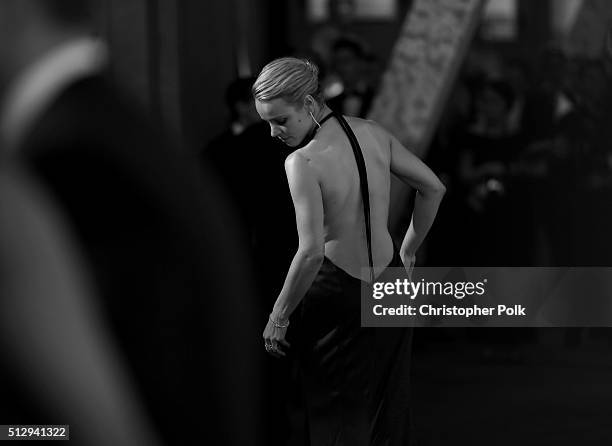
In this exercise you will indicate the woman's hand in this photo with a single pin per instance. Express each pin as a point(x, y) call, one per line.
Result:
point(274, 338)
point(409, 260)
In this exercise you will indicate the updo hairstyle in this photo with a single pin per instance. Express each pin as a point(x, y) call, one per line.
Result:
point(288, 78)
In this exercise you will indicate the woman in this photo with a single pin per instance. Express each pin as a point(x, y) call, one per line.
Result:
point(353, 379)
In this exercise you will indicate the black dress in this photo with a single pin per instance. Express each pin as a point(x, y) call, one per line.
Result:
point(351, 383)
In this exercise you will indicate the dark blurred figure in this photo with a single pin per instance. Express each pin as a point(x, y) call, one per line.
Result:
point(575, 187)
point(494, 204)
point(240, 103)
point(518, 74)
point(242, 115)
point(263, 185)
point(220, 154)
point(250, 165)
point(488, 149)
point(547, 99)
point(52, 332)
point(581, 158)
point(272, 223)
point(444, 247)
point(271, 207)
point(159, 242)
point(350, 64)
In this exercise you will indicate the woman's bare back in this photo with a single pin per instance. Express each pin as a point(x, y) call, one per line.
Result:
point(331, 157)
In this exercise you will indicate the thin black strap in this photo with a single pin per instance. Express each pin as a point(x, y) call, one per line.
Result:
point(314, 130)
point(363, 182)
point(325, 118)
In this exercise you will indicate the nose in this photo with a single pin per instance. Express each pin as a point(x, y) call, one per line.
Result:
point(274, 130)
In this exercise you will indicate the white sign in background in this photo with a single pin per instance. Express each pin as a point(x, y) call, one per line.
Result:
point(424, 62)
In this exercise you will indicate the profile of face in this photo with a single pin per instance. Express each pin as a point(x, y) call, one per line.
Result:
point(288, 122)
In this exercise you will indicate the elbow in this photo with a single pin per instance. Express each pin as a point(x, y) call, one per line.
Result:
point(436, 190)
point(440, 189)
point(311, 255)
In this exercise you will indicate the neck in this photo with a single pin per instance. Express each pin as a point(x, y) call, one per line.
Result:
point(322, 113)
point(319, 115)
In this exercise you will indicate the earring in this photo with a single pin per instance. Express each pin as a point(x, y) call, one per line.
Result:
point(315, 121)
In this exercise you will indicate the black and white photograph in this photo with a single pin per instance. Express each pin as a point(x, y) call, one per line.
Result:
point(306, 222)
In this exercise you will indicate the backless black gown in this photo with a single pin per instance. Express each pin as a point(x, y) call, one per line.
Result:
point(351, 384)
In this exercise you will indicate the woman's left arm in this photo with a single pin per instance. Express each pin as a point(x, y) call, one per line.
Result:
point(308, 204)
point(429, 193)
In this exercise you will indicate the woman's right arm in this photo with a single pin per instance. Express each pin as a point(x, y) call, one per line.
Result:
point(429, 192)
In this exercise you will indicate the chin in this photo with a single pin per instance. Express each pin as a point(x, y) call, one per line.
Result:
point(289, 142)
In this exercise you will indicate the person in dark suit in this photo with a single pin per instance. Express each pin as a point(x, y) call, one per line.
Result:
point(172, 283)
point(222, 153)
point(249, 164)
point(242, 156)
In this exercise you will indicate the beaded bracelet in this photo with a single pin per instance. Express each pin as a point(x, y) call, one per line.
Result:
point(279, 324)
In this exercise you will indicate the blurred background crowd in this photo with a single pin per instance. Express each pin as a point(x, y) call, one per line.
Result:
point(177, 221)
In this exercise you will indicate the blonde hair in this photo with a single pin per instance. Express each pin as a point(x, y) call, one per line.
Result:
point(289, 78)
